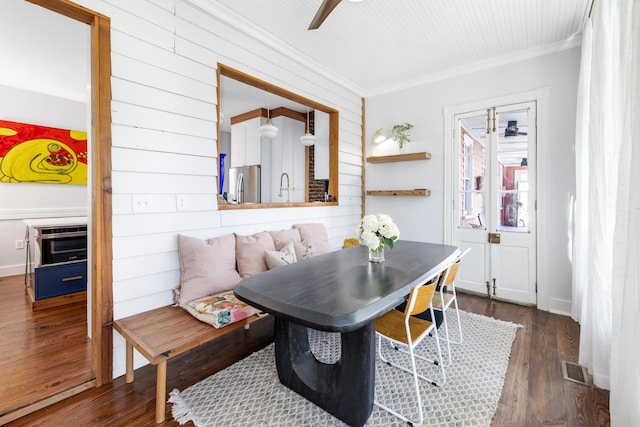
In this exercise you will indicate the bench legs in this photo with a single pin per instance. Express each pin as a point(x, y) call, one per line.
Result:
point(161, 382)
point(161, 374)
point(129, 375)
point(161, 390)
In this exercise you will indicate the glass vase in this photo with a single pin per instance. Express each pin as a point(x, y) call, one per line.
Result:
point(376, 255)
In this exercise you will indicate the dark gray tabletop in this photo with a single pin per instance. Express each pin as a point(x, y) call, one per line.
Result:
point(342, 291)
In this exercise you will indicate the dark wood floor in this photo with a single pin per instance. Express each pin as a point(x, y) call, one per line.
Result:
point(535, 393)
point(42, 353)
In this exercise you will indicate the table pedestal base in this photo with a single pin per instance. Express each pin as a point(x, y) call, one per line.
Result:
point(345, 389)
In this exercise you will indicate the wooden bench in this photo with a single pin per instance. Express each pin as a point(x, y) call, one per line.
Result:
point(162, 334)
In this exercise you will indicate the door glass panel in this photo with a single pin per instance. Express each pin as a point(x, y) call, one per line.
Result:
point(471, 186)
point(513, 176)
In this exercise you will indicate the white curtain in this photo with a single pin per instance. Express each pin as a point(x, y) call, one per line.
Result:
point(606, 277)
point(625, 342)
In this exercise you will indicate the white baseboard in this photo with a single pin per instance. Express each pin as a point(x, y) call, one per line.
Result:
point(560, 306)
point(11, 270)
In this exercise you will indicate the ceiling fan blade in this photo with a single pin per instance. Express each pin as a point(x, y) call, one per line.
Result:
point(325, 9)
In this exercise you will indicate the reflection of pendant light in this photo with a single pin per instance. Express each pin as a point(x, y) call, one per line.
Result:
point(308, 139)
point(268, 130)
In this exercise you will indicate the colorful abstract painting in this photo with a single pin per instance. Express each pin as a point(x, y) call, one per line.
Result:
point(44, 155)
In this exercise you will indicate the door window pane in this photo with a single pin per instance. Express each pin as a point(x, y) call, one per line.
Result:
point(472, 173)
point(513, 184)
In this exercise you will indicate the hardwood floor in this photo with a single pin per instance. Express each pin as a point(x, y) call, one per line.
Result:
point(42, 353)
point(535, 394)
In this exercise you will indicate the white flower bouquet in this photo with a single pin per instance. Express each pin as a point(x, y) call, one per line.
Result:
point(375, 231)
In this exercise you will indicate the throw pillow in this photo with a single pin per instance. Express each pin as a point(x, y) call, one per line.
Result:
point(302, 250)
point(284, 256)
point(206, 267)
point(220, 310)
point(314, 236)
point(283, 237)
point(250, 253)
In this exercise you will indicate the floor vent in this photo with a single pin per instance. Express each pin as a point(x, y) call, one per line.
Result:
point(574, 372)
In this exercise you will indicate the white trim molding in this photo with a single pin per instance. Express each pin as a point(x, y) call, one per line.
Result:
point(20, 214)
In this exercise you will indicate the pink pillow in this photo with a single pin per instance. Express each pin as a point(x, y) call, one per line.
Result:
point(315, 237)
point(302, 251)
point(206, 267)
point(250, 253)
point(282, 237)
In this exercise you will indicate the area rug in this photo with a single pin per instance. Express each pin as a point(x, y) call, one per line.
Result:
point(249, 393)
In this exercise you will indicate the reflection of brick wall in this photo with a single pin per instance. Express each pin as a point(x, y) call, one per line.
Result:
point(478, 184)
point(317, 187)
point(509, 177)
point(461, 208)
point(509, 201)
point(478, 177)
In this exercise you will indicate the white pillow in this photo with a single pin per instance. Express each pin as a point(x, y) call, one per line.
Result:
point(284, 256)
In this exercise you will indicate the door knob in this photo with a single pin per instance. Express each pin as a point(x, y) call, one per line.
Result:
point(494, 238)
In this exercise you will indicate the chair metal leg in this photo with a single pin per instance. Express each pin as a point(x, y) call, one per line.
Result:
point(414, 372)
point(448, 339)
point(444, 378)
point(413, 355)
point(446, 326)
point(455, 301)
point(380, 349)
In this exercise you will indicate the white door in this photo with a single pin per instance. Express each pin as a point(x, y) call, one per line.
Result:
point(494, 205)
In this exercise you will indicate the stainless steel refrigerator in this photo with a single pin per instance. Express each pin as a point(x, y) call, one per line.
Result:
point(244, 184)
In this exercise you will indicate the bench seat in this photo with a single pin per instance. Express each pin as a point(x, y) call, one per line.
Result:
point(163, 333)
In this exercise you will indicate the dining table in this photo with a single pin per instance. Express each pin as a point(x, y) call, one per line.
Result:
point(340, 291)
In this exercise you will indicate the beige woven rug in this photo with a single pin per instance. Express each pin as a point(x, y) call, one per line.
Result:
point(249, 393)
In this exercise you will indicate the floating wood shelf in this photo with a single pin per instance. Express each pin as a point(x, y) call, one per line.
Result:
point(416, 192)
point(399, 157)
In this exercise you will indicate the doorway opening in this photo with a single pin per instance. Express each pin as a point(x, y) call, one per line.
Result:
point(100, 303)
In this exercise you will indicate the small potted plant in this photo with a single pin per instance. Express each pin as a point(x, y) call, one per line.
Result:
point(400, 134)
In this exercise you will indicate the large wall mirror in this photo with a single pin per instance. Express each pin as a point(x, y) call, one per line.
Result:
point(263, 161)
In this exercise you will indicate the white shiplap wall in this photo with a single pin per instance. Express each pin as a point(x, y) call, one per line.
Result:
point(164, 59)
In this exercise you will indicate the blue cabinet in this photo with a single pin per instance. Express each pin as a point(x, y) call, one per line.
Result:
point(61, 279)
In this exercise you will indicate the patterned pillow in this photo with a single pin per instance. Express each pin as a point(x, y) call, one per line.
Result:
point(284, 256)
point(303, 250)
point(220, 310)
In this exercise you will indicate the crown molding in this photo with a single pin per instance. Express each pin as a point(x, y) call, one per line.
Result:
point(220, 12)
point(229, 17)
point(570, 43)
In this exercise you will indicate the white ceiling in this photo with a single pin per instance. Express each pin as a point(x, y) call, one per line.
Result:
point(376, 46)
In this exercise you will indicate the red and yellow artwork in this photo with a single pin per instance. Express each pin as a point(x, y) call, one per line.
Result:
point(39, 154)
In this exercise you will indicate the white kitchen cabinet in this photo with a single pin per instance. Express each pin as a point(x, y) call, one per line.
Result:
point(246, 142)
point(287, 156)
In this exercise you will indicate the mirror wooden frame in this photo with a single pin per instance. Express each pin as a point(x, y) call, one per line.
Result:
point(226, 71)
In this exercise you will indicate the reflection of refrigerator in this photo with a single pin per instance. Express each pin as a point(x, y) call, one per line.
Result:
point(244, 184)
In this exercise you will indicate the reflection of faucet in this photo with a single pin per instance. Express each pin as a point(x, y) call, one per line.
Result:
point(285, 188)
